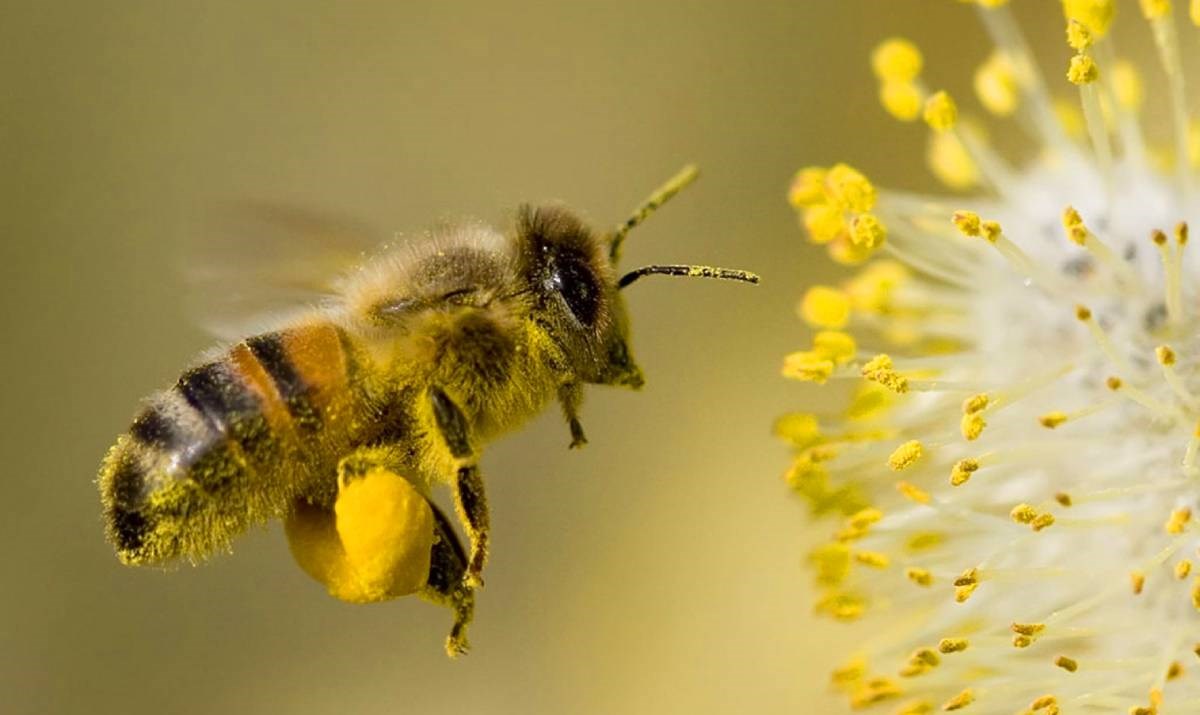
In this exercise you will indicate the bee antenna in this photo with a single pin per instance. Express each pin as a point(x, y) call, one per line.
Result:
point(728, 274)
point(653, 202)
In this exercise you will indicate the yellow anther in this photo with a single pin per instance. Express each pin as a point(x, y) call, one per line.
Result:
point(1196, 593)
point(1178, 521)
point(825, 307)
point(1043, 521)
point(990, 230)
point(975, 403)
point(879, 369)
point(1165, 355)
point(1019, 641)
point(896, 59)
point(853, 671)
point(1028, 629)
point(970, 577)
point(953, 645)
point(1050, 420)
point(823, 222)
point(919, 576)
point(1043, 702)
point(800, 428)
point(1068, 664)
point(872, 289)
point(902, 99)
point(926, 656)
point(923, 540)
point(1023, 514)
point(962, 471)
point(831, 562)
point(874, 559)
point(960, 701)
point(1063, 499)
point(1174, 670)
point(848, 189)
point(1127, 85)
point(867, 231)
point(864, 518)
point(842, 606)
point(807, 366)
point(845, 252)
point(835, 345)
point(1113, 383)
point(996, 85)
point(950, 162)
point(1083, 70)
point(917, 707)
point(1097, 15)
point(1194, 12)
point(968, 223)
point(1137, 581)
point(905, 456)
point(940, 111)
point(1079, 37)
point(962, 593)
point(1154, 9)
point(1071, 218)
point(972, 426)
point(1182, 569)
point(875, 691)
point(1142, 710)
point(1181, 233)
point(808, 187)
point(1083, 313)
point(913, 493)
point(1158, 237)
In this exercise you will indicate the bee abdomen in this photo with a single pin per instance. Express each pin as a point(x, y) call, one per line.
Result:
point(222, 449)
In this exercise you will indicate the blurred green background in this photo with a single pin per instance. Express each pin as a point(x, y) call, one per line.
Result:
point(659, 569)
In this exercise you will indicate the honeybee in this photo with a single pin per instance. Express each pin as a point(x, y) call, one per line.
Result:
point(341, 422)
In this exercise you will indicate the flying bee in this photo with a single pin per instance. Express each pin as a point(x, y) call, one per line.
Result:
point(342, 421)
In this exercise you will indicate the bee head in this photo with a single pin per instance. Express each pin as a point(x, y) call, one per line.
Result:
point(572, 272)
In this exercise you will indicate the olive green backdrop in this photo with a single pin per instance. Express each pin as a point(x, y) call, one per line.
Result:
point(657, 570)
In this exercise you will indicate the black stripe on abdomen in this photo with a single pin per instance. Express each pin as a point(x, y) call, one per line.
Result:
point(293, 389)
point(218, 395)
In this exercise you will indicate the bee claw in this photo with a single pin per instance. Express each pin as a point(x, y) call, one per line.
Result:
point(578, 442)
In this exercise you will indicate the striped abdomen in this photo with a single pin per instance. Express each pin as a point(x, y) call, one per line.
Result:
point(231, 444)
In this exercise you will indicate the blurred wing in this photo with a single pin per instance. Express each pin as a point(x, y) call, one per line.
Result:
point(260, 261)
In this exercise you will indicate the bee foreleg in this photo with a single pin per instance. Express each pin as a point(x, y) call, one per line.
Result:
point(469, 496)
point(570, 396)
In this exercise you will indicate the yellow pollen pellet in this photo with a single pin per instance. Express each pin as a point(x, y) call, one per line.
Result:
point(1083, 70)
point(834, 345)
point(1097, 15)
point(961, 473)
point(1079, 37)
point(972, 426)
point(1182, 569)
point(1154, 9)
point(1050, 420)
point(952, 645)
point(975, 403)
point(901, 99)
point(896, 59)
point(960, 701)
point(919, 576)
point(808, 187)
point(940, 112)
point(1023, 514)
point(996, 85)
point(1063, 498)
point(1068, 664)
point(1127, 85)
point(1137, 580)
point(1174, 670)
point(905, 455)
point(1178, 521)
point(913, 493)
point(1165, 355)
point(825, 307)
point(848, 189)
point(1042, 521)
point(867, 231)
point(1113, 383)
point(968, 223)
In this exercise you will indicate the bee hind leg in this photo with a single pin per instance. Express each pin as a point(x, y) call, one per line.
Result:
point(446, 586)
point(469, 496)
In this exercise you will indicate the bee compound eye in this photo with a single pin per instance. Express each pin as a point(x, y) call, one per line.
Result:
point(576, 283)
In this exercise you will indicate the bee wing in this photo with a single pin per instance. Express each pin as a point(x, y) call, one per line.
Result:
point(260, 261)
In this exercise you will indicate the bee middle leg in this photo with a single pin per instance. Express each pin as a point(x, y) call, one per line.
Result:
point(570, 396)
point(469, 496)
